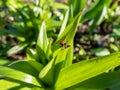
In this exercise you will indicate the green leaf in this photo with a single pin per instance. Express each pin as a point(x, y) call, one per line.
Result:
point(26, 66)
point(98, 19)
point(13, 31)
point(69, 32)
point(4, 61)
point(17, 48)
point(2, 32)
point(69, 56)
point(6, 85)
point(49, 52)
point(68, 35)
point(36, 65)
point(85, 70)
point(60, 61)
point(4, 47)
point(14, 4)
point(55, 24)
point(107, 80)
point(116, 29)
point(100, 51)
point(51, 71)
point(43, 45)
point(95, 9)
point(31, 54)
point(43, 2)
point(62, 55)
point(47, 73)
point(19, 75)
point(64, 23)
point(114, 47)
point(77, 5)
point(60, 6)
point(9, 84)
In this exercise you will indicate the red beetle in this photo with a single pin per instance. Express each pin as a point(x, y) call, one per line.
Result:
point(63, 43)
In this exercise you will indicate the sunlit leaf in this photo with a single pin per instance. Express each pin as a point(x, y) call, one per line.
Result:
point(60, 6)
point(25, 72)
point(82, 71)
point(18, 75)
point(9, 84)
point(47, 73)
point(5, 85)
point(4, 61)
point(64, 23)
point(104, 81)
point(69, 32)
point(43, 45)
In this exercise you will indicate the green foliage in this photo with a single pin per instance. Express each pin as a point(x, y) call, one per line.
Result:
point(57, 74)
point(85, 70)
point(26, 22)
point(77, 5)
point(49, 65)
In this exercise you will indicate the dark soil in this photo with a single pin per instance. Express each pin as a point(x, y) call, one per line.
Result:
point(88, 42)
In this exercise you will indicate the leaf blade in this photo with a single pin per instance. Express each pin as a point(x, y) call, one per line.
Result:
point(106, 80)
point(86, 70)
point(18, 75)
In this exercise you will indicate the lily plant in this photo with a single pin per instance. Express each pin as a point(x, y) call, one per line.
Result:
point(49, 66)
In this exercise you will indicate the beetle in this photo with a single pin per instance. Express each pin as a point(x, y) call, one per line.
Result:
point(63, 43)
